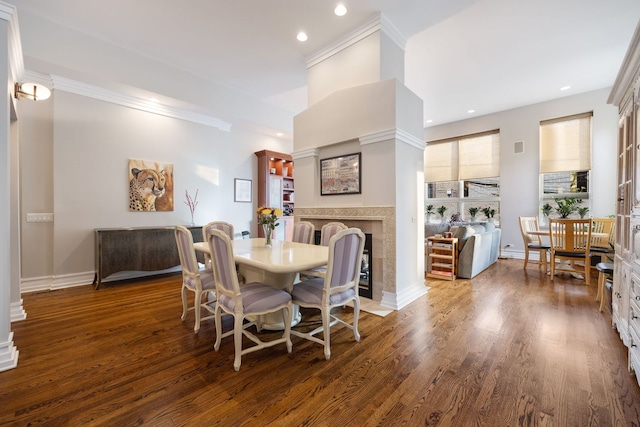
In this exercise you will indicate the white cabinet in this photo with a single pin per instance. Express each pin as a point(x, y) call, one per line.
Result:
point(626, 272)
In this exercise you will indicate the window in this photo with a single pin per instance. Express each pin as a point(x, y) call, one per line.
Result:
point(464, 172)
point(565, 159)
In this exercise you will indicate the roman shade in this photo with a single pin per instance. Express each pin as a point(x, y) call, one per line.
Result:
point(565, 144)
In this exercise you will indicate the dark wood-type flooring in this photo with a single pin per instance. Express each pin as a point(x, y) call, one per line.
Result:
point(507, 348)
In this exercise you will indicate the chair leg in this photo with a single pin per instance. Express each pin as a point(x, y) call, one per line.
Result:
point(287, 318)
point(600, 284)
point(197, 309)
point(326, 324)
point(237, 340)
point(543, 259)
point(602, 297)
point(587, 271)
point(356, 314)
point(552, 260)
point(526, 256)
point(218, 314)
point(184, 303)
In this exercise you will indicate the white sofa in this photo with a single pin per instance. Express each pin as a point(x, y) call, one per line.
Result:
point(478, 245)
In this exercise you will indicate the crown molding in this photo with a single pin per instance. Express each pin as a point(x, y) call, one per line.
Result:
point(118, 98)
point(393, 134)
point(9, 13)
point(377, 23)
point(630, 66)
point(303, 154)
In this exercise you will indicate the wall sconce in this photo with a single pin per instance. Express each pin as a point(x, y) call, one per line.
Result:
point(32, 91)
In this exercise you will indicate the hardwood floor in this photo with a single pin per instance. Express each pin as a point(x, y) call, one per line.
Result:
point(507, 348)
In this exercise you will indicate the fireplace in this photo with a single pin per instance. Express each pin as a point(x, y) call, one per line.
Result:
point(365, 288)
point(379, 222)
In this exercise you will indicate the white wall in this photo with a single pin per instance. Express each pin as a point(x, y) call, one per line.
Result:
point(519, 180)
point(91, 144)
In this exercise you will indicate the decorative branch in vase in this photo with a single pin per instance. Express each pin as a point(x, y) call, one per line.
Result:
point(192, 203)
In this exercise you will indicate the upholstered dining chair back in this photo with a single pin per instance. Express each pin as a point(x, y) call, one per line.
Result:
point(338, 287)
point(193, 279)
point(186, 252)
point(217, 225)
point(248, 301)
point(329, 230)
point(304, 232)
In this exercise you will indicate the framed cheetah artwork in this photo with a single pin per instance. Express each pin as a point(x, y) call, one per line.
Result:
point(150, 186)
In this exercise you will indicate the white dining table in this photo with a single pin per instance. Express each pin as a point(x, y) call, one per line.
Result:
point(278, 265)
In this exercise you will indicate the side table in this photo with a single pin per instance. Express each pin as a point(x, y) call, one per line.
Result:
point(442, 257)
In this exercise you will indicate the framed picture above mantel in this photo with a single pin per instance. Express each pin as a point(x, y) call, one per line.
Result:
point(341, 175)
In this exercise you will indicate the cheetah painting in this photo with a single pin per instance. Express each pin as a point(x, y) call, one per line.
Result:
point(150, 186)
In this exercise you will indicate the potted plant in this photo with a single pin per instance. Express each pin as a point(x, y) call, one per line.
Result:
point(428, 210)
point(567, 206)
point(546, 211)
point(582, 211)
point(441, 210)
point(473, 211)
point(489, 213)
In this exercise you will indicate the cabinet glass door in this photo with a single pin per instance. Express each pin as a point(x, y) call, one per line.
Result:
point(275, 192)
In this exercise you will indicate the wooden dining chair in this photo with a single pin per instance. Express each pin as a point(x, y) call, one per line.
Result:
point(194, 279)
point(248, 301)
point(533, 242)
point(338, 287)
point(570, 241)
point(602, 237)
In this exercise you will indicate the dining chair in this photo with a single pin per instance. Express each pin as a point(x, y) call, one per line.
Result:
point(338, 287)
point(304, 232)
point(248, 301)
point(602, 237)
point(570, 241)
point(226, 228)
point(327, 231)
point(533, 242)
point(605, 273)
point(198, 281)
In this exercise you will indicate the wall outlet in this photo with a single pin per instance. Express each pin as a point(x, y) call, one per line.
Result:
point(39, 217)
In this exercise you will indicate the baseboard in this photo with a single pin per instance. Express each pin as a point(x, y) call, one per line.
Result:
point(8, 354)
point(17, 311)
point(398, 300)
point(50, 283)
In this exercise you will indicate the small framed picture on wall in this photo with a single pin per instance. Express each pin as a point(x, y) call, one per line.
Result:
point(242, 191)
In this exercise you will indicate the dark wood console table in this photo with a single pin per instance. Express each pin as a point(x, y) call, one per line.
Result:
point(136, 249)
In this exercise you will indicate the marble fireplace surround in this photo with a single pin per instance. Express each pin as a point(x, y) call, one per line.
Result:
point(380, 222)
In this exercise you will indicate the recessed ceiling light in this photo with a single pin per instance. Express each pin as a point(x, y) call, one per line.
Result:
point(302, 36)
point(471, 111)
point(565, 88)
point(279, 134)
point(429, 121)
point(340, 10)
point(155, 100)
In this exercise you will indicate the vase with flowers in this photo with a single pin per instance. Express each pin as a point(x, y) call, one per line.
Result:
point(192, 203)
point(267, 218)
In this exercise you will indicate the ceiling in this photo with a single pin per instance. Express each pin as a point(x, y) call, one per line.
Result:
point(486, 55)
